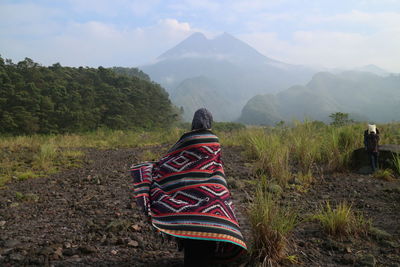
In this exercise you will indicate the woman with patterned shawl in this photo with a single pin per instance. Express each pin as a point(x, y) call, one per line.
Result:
point(185, 195)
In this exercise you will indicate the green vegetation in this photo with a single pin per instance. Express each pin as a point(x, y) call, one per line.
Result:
point(29, 197)
point(279, 153)
point(302, 150)
point(341, 221)
point(340, 119)
point(384, 174)
point(131, 72)
point(396, 163)
point(326, 94)
point(56, 99)
point(271, 225)
point(33, 156)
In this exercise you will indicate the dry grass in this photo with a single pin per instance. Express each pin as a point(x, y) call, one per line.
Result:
point(271, 225)
point(341, 221)
point(271, 156)
point(384, 174)
point(24, 157)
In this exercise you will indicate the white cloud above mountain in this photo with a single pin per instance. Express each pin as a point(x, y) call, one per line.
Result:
point(130, 33)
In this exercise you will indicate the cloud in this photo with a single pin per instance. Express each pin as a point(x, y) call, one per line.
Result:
point(381, 20)
point(331, 49)
point(115, 8)
point(95, 43)
point(132, 32)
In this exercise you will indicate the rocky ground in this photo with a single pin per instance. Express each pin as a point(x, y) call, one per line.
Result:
point(86, 216)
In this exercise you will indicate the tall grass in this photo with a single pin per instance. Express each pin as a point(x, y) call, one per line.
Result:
point(45, 156)
point(279, 153)
point(271, 155)
point(305, 145)
point(283, 152)
point(270, 224)
point(389, 133)
point(396, 163)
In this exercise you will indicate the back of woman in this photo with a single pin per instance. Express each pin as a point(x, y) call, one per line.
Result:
point(186, 196)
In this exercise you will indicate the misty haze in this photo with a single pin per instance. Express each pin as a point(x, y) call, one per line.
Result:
point(199, 133)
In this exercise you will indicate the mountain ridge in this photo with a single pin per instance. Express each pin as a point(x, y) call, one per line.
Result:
point(365, 96)
point(240, 71)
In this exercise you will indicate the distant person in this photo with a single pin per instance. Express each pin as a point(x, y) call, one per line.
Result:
point(371, 142)
point(185, 195)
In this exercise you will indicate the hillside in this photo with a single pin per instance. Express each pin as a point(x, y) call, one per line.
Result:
point(37, 99)
point(237, 70)
point(365, 96)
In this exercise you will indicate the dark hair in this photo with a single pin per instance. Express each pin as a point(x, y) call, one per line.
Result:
point(202, 119)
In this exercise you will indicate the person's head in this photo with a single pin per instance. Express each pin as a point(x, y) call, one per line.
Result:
point(371, 128)
point(202, 119)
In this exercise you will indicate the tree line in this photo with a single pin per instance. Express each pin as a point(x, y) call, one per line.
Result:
point(58, 99)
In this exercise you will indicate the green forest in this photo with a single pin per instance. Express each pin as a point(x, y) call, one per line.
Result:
point(57, 99)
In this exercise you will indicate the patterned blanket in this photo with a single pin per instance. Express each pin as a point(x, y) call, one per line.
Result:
point(186, 196)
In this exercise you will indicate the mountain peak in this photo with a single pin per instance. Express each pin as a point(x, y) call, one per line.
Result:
point(196, 36)
point(226, 36)
point(224, 46)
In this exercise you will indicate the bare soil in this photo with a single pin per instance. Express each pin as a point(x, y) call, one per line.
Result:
point(86, 216)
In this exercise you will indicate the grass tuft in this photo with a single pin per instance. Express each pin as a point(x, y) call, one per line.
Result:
point(341, 221)
point(30, 197)
point(271, 225)
point(384, 174)
point(26, 175)
point(45, 156)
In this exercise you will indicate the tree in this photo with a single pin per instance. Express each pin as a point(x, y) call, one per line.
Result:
point(57, 99)
point(340, 119)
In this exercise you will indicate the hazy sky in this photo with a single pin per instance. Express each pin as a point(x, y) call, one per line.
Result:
point(331, 33)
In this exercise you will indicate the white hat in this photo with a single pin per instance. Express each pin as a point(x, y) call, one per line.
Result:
point(371, 128)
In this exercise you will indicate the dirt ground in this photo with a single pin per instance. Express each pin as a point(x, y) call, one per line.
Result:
point(86, 216)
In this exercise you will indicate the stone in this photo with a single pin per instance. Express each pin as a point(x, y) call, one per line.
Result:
point(360, 160)
point(58, 253)
point(136, 227)
point(70, 251)
point(133, 243)
point(365, 170)
point(87, 249)
point(46, 251)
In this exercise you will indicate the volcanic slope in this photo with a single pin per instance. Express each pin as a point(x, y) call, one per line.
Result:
point(86, 217)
